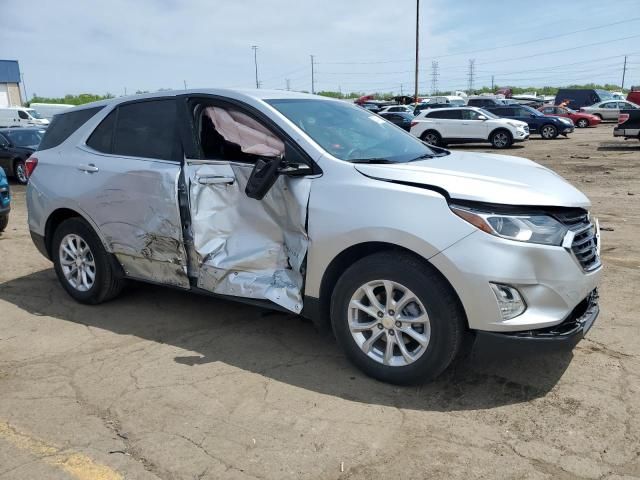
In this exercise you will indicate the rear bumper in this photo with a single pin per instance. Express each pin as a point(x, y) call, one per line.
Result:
point(562, 337)
point(627, 132)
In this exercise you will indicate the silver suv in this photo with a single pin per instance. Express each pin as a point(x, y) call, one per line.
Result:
point(317, 207)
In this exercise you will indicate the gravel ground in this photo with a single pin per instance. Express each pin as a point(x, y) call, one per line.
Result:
point(164, 384)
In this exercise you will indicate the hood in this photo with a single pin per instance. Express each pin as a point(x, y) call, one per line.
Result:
point(484, 177)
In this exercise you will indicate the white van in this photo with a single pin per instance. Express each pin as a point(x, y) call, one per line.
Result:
point(48, 110)
point(20, 117)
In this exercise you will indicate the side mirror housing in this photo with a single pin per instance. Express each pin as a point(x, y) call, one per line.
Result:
point(482, 117)
point(294, 163)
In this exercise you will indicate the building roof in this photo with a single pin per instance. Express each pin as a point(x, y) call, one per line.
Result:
point(9, 71)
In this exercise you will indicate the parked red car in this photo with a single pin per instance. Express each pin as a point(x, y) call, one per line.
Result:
point(580, 119)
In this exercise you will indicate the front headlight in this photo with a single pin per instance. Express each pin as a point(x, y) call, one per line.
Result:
point(536, 228)
point(568, 121)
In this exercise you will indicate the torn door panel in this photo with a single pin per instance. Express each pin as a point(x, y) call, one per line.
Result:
point(249, 248)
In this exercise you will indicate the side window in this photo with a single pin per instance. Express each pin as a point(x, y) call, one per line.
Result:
point(146, 129)
point(452, 114)
point(550, 110)
point(3, 141)
point(23, 115)
point(469, 114)
point(609, 105)
point(503, 112)
point(101, 139)
point(230, 134)
point(64, 125)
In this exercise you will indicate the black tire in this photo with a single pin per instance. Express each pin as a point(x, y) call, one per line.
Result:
point(4, 221)
point(446, 317)
point(108, 281)
point(582, 123)
point(548, 131)
point(501, 138)
point(20, 172)
point(432, 138)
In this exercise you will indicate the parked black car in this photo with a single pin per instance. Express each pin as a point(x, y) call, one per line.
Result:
point(16, 145)
point(576, 98)
point(401, 119)
point(548, 127)
point(628, 124)
point(484, 102)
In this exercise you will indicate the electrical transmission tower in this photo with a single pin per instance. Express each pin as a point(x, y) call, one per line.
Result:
point(434, 77)
point(472, 72)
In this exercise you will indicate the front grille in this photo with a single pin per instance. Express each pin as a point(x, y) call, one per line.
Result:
point(585, 240)
point(526, 128)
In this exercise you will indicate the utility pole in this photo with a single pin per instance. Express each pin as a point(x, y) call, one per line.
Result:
point(313, 78)
point(472, 68)
point(415, 96)
point(255, 62)
point(401, 91)
point(185, 84)
point(288, 81)
point(492, 82)
point(24, 87)
point(434, 77)
point(624, 71)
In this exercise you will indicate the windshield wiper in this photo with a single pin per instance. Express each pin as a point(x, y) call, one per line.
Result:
point(371, 160)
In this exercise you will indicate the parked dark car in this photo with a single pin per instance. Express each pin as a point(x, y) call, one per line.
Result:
point(576, 98)
point(16, 145)
point(401, 119)
point(548, 127)
point(628, 124)
point(427, 106)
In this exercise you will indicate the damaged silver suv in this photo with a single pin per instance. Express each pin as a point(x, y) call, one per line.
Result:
point(320, 208)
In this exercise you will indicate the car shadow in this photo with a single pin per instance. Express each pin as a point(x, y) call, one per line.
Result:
point(284, 347)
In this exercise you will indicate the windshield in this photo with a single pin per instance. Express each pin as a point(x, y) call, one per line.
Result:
point(487, 113)
point(604, 95)
point(34, 114)
point(351, 133)
point(25, 138)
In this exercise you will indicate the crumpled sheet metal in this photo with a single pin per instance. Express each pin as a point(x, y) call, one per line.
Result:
point(250, 248)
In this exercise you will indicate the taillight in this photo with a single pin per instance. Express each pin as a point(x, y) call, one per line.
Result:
point(622, 117)
point(30, 165)
point(413, 123)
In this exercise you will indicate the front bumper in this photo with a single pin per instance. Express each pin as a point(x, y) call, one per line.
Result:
point(566, 130)
point(550, 279)
point(561, 337)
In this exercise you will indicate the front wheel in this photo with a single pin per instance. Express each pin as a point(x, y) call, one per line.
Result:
point(501, 139)
point(582, 123)
point(82, 264)
point(432, 138)
point(548, 132)
point(396, 319)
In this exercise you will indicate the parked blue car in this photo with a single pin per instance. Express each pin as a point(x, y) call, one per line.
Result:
point(5, 200)
point(547, 126)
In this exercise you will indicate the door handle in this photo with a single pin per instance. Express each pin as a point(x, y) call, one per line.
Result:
point(216, 180)
point(90, 168)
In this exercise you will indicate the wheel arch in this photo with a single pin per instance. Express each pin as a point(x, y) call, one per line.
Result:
point(319, 310)
point(59, 215)
point(500, 129)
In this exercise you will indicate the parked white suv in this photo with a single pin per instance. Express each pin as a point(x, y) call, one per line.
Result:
point(318, 207)
point(442, 126)
point(396, 109)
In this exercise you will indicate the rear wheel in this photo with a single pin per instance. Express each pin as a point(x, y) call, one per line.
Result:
point(582, 123)
point(82, 264)
point(432, 138)
point(4, 221)
point(548, 132)
point(20, 172)
point(501, 139)
point(396, 319)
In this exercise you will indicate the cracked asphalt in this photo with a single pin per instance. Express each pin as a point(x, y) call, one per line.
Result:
point(161, 384)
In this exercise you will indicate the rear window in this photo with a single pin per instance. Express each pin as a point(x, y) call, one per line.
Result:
point(64, 125)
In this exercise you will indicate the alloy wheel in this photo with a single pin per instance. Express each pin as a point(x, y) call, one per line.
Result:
point(548, 131)
point(77, 262)
point(582, 123)
point(431, 139)
point(20, 172)
point(389, 323)
point(500, 140)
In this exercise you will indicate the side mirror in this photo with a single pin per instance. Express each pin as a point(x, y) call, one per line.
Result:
point(294, 164)
point(263, 176)
point(482, 117)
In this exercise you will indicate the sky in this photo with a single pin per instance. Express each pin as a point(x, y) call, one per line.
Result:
point(85, 46)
